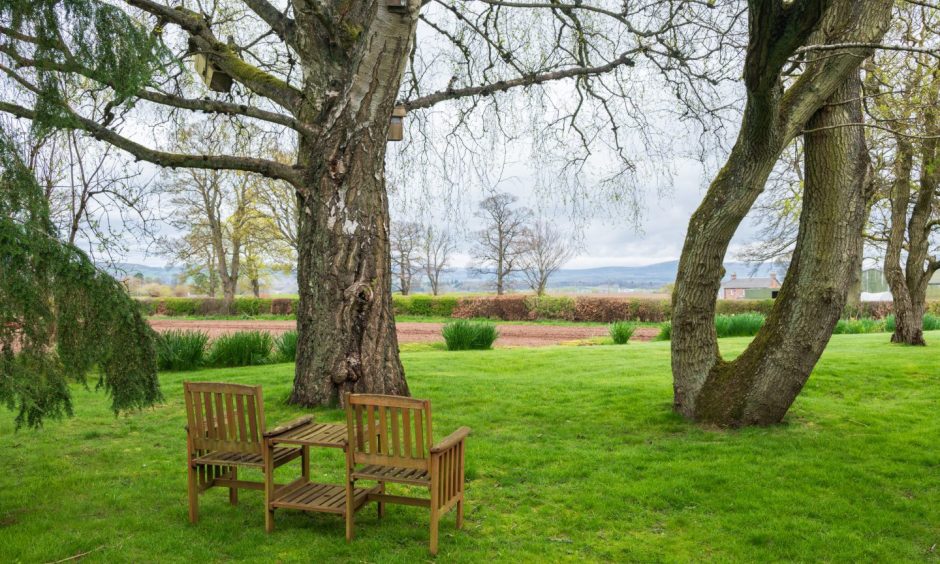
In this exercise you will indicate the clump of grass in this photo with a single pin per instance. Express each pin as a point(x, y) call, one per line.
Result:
point(665, 332)
point(621, 331)
point(931, 323)
point(740, 325)
point(285, 347)
point(463, 335)
point(179, 350)
point(243, 348)
point(859, 326)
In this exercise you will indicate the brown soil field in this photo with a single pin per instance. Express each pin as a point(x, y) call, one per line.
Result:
point(509, 335)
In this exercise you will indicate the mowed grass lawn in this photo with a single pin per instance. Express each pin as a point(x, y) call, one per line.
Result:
point(575, 456)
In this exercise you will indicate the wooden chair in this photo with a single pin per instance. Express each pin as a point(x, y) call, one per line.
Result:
point(226, 430)
point(390, 440)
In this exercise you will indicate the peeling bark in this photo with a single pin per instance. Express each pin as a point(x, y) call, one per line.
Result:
point(347, 340)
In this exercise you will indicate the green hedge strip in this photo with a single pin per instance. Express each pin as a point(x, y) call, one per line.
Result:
point(517, 307)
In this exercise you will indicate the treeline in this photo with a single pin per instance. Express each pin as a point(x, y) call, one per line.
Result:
point(603, 309)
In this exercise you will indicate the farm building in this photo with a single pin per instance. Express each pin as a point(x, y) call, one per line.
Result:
point(749, 288)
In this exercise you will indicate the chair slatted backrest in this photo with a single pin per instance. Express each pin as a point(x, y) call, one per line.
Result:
point(389, 430)
point(224, 417)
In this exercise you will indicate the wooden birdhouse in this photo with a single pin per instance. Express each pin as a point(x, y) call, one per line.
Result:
point(214, 77)
point(397, 5)
point(396, 127)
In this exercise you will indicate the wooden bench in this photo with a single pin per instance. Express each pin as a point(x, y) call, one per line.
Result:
point(226, 430)
point(390, 440)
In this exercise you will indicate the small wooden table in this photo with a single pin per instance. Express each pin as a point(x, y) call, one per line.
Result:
point(303, 494)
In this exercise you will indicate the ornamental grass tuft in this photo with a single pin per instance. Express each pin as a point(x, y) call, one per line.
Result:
point(179, 350)
point(463, 335)
point(621, 331)
point(243, 348)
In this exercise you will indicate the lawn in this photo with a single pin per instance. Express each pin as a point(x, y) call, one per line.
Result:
point(575, 456)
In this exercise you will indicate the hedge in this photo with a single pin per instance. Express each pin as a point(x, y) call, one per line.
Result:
point(424, 305)
point(196, 307)
point(515, 307)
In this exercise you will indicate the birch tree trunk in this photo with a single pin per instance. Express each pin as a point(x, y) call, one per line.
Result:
point(347, 340)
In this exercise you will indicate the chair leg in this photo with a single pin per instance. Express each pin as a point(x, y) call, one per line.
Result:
point(350, 512)
point(380, 504)
point(268, 490)
point(460, 512)
point(233, 491)
point(193, 495)
point(305, 462)
point(435, 518)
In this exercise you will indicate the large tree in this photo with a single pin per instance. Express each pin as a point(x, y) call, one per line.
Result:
point(801, 78)
point(329, 74)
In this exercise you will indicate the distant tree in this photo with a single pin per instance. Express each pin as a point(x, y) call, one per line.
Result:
point(904, 89)
point(502, 241)
point(215, 208)
point(406, 248)
point(277, 201)
point(438, 245)
point(545, 251)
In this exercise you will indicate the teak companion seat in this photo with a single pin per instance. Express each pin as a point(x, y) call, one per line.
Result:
point(225, 430)
point(390, 440)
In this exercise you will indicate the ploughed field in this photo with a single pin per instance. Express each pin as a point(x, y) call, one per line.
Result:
point(510, 335)
point(575, 456)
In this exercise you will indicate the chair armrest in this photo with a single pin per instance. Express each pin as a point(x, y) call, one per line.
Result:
point(289, 426)
point(451, 440)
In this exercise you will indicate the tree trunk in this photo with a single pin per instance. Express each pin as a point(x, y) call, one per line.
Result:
point(347, 340)
point(760, 385)
point(908, 324)
point(909, 286)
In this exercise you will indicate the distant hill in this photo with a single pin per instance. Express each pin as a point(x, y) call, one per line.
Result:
point(608, 278)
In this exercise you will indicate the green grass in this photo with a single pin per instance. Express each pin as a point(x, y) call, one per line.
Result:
point(738, 325)
point(285, 347)
point(241, 348)
point(621, 331)
point(181, 350)
point(575, 457)
point(464, 335)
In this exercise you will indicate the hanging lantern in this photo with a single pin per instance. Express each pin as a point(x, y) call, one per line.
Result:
point(213, 76)
point(396, 127)
point(397, 5)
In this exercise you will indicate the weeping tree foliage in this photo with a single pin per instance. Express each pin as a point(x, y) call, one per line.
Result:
point(61, 318)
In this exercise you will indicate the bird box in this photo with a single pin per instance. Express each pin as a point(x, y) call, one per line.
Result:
point(397, 5)
point(213, 76)
point(396, 126)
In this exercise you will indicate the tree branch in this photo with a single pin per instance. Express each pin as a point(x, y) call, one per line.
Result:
point(282, 25)
point(269, 169)
point(223, 56)
point(203, 105)
point(867, 46)
point(524, 81)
